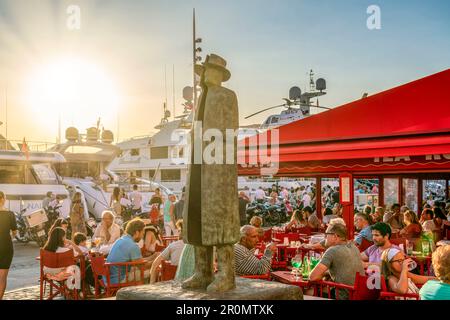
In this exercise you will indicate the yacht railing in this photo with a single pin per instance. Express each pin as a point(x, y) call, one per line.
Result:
point(34, 146)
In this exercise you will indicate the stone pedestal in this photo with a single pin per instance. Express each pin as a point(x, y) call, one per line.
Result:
point(246, 289)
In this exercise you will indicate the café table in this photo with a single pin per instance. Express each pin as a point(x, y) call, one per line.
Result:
point(287, 277)
point(421, 261)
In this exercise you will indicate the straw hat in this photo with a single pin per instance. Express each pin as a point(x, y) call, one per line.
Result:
point(214, 61)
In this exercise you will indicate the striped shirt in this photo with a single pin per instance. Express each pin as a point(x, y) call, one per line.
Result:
point(246, 263)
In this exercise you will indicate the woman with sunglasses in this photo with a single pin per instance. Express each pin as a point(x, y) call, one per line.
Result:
point(395, 269)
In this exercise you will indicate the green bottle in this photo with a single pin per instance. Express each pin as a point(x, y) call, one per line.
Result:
point(306, 268)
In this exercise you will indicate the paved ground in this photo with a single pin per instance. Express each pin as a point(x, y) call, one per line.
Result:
point(23, 278)
point(24, 271)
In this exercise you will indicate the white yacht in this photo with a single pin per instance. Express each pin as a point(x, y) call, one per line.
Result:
point(85, 170)
point(163, 157)
point(26, 177)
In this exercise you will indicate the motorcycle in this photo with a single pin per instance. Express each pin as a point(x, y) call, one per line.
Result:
point(31, 226)
point(52, 214)
point(272, 215)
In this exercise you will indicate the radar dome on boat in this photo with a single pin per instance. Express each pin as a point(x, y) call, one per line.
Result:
point(92, 134)
point(72, 134)
point(107, 136)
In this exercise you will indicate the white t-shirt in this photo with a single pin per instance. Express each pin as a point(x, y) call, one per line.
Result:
point(306, 200)
point(260, 194)
point(173, 252)
point(136, 199)
point(114, 231)
point(428, 226)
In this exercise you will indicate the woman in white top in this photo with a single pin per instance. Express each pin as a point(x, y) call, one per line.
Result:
point(58, 243)
point(395, 269)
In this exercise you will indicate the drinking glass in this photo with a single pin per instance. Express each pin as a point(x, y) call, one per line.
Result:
point(89, 243)
point(412, 265)
point(425, 248)
point(296, 265)
point(97, 241)
point(409, 248)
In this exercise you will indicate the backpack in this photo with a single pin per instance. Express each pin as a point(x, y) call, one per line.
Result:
point(154, 213)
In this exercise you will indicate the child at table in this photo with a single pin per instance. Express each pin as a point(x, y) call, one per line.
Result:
point(80, 240)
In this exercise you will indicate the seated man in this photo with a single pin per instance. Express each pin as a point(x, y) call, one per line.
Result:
point(377, 215)
point(172, 253)
point(381, 233)
point(246, 263)
point(126, 249)
point(341, 260)
point(313, 221)
point(107, 230)
point(362, 223)
point(394, 217)
point(427, 221)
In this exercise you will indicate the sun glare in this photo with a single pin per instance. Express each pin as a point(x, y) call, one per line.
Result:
point(72, 88)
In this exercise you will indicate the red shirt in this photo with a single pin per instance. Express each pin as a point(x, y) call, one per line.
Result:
point(413, 230)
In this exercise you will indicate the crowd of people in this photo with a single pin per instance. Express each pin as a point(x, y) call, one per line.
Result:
point(140, 240)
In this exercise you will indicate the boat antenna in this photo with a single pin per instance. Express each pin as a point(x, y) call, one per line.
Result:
point(173, 88)
point(165, 81)
point(312, 86)
point(195, 58)
point(6, 107)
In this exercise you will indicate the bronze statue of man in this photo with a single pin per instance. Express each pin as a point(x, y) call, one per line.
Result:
point(211, 209)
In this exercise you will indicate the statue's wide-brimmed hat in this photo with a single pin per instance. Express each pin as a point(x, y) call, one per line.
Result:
point(214, 61)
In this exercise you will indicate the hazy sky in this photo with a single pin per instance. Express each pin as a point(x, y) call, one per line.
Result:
point(269, 45)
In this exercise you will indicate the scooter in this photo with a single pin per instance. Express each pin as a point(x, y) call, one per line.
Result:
point(32, 226)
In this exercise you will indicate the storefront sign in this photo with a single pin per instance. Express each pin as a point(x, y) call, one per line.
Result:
point(345, 189)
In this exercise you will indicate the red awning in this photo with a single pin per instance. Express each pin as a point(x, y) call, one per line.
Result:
point(407, 121)
point(421, 106)
point(394, 147)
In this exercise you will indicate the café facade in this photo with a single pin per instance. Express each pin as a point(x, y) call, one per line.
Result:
point(399, 138)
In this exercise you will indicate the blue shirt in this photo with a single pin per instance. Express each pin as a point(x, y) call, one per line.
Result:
point(167, 206)
point(123, 250)
point(365, 233)
point(435, 290)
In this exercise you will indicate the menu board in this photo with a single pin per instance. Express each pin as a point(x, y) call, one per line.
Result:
point(345, 190)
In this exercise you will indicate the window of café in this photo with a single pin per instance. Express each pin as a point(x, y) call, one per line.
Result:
point(171, 175)
point(366, 193)
point(330, 193)
point(391, 188)
point(433, 190)
point(410, 193)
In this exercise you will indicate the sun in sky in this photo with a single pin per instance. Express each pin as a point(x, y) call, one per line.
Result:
point(74, 89)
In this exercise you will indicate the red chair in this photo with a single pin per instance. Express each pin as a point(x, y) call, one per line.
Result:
point(101, 271)
point(168, 271)
point(399, 241)
point(359, 290)
point(58, 281)
point(305, 230)
point(364, 244)
point(385, 294)
point(168, 239)
point(267, 236)
point(291, 236)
